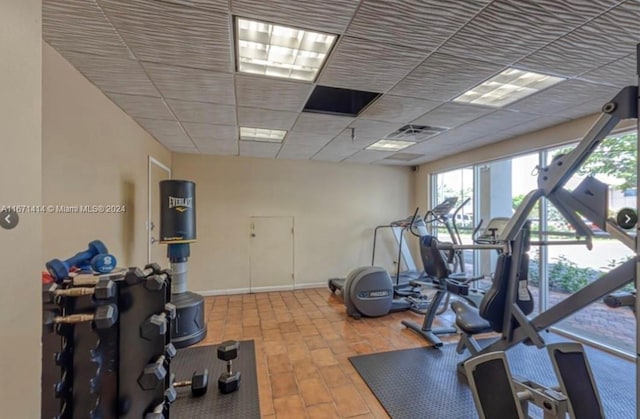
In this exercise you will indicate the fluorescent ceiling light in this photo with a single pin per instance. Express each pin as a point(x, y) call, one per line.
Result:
point(280, 51)
point(506, 87)
point(262, 134)
point(390, 145)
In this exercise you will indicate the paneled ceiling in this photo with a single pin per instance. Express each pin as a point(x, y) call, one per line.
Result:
point(170, 65)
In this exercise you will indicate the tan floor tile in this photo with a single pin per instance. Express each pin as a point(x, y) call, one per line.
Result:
point(314, 391)
point(285, 385)
point(322, 411)
point(348, 401)
point(290, 407)
point(278, 363)
point(323, 357)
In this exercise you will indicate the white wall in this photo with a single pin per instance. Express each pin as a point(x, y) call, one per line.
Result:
point(20, 183)
point(335, 208)
point(94, 153)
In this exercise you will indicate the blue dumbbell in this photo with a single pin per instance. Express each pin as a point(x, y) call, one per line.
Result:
point(103, 263)
point(59, 269)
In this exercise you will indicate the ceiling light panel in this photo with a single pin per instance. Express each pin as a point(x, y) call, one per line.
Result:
point(507, 87)
point(390, 145)
point(280, 51)
point(262, 134)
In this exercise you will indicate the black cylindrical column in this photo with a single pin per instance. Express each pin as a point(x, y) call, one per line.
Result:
point(178, 231)
point(177, 211)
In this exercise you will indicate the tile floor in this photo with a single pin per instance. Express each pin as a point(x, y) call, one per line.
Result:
point(303, 341)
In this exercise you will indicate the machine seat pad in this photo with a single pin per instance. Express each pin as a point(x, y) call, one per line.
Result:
point(468, 319)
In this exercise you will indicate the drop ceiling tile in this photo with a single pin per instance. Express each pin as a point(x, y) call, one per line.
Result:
point(620, 73)
point(319, 124)
point(297, 151)
point(264, 118)
point(210, 131)
point(323, 15)
point(368, 156)
point(398, 109)
point(535, 125)
point(587, 108)
point(192, 84)
point(142, 106)
point(207, 113)
point(228, 147)
point(172, 34)
point(80, 25)
point(506, 31)
point(259, 149)
point(269, 93)
point(298, 138)
point(576, 12)
point(625, 16)
point(595, 44)
point(379, 66)
point(421, 24)
point(366, 132)
point(167, 132)
point(561, 96)
point(212, 5)
point(493, 122)
point(113, 74)
point(184, 149)
point(332, 155)
point(443, 77)
point(450, 115)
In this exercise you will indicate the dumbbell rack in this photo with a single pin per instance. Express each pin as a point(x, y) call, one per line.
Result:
point(94, 373)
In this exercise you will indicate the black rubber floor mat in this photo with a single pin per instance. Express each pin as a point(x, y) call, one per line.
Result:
point(423, 382)
point(243, 403)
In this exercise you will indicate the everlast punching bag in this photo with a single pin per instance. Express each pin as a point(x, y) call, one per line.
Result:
point(178, 231)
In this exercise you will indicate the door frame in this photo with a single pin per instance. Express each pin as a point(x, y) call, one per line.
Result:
point(152, 161)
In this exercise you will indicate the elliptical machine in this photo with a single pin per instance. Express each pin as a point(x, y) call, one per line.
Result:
point(369, 291)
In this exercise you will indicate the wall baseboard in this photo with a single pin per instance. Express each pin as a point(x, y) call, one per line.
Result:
point(235, 291)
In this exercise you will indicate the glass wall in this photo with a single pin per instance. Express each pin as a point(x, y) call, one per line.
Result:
point(556, 271)
point(456, 184)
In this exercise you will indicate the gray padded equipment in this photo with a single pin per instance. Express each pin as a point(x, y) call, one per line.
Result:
point(368, 291)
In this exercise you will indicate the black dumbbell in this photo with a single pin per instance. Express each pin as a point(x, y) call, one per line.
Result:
point(59, 269)
point(229, 381)
point(135, 275)
point(199, 383)
point(105, 289)
point(104, 317)
point(157, 412)
point(156, 325)
point(153, 374)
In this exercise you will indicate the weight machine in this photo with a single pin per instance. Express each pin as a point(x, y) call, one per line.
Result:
point(501, 310)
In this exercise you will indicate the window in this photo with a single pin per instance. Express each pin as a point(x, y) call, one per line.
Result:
point(555, 272)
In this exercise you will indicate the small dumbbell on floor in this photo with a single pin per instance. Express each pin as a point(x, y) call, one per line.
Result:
point(229, 381)
point(104, 317)
point(105, 289)
point(199, 383)
point(157, 324)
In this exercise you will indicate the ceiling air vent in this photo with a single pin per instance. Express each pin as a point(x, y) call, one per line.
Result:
point(404, 156)
point(415, 132)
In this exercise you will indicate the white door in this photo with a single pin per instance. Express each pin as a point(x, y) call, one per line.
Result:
point(156, 252)
point(271, 253)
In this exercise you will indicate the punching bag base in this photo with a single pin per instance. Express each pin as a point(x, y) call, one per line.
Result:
point(189, 327)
